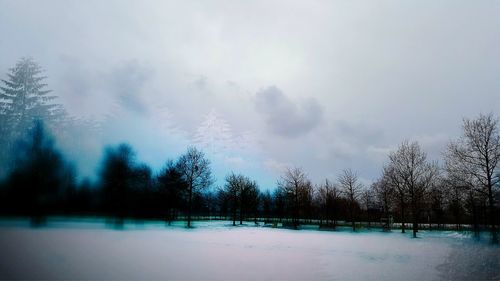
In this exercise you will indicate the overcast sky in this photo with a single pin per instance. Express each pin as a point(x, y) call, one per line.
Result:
point(261, 85)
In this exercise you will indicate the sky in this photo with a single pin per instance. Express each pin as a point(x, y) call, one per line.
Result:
point(263, 85)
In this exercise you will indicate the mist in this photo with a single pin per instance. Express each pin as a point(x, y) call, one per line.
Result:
point(373, 74)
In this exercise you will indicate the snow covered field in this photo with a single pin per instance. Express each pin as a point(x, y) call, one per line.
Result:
point(216, 251)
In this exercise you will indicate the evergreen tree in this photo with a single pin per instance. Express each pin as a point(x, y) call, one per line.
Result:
point(24, 97)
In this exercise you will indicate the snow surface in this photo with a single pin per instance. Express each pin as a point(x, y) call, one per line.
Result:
point(217, 251)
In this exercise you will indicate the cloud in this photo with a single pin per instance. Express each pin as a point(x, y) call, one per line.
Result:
point(433, 144)
point(89, 91)
point(275, 166)
point(201, 83)
point(236, 161)
point(356, 80)
point(127, 82)
point(284, 117)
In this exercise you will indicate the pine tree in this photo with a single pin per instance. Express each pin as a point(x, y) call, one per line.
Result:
point(24, 98)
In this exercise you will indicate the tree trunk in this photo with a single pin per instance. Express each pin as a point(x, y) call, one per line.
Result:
point(475, 223)
point(352, 218)
point(189, 203)
point(494, 235)
point(415, 219)
point(415, 229)
point(334, 218)
point(234, 216)
point(386, 211)
point(369, 219)
point(402, 218)
point(491, 207)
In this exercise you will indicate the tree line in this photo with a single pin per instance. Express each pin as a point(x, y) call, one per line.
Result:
point(39, 181)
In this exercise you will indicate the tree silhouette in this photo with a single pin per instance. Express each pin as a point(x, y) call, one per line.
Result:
point(293, 185)
point(195, 171)
point(172, 187)
point(39, 174)
point(143, 199)
point(392, 179)
point(367, 198)
point(117, 177)
point(436, 198)
point(279, 200)
point(384, 196)
point(249, 201)
point(326, 197)
point(411, 170)
point(349, 183)
point(241, 195)
point(475, 156)
point(232, 192)
point(267, 204)
point(41, 182)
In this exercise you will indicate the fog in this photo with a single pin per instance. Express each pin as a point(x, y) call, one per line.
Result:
point(322, 85)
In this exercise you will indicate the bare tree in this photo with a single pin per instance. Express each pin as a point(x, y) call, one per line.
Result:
point(307, 200)
point(384, 194)
point(172, 188)
point(249, 199)
point(351, 187)
point(397, 184)
point(456, 195)
point(411, 171)
point(196, 172)
point(241, 194)
point(232, 190)
point(436, 201)
point(292, 184)
point(267, 205)
point(367, 198)
point(476, 155)
point(457, 179)
point(327, 196)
